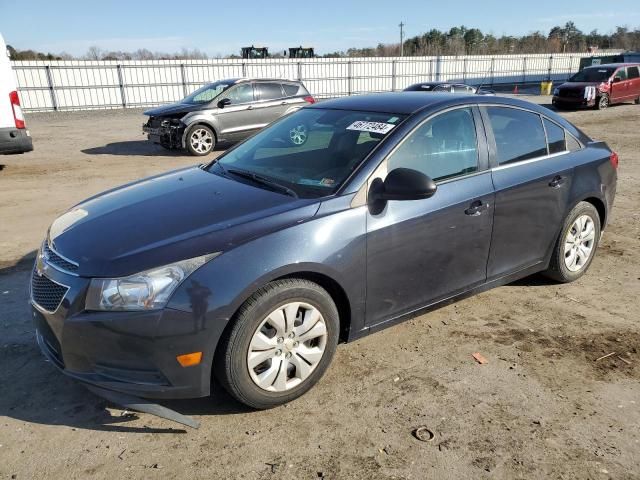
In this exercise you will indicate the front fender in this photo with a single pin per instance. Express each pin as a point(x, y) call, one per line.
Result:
point(204, 117)
point(331, 244)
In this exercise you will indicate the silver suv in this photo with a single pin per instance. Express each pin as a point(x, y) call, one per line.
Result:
point(225, 111)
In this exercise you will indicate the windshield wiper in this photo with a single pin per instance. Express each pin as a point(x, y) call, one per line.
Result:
point(262, 181)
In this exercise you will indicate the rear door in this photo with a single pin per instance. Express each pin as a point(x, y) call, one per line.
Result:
point(532, 182)
point(421, 251)
point(271, 102)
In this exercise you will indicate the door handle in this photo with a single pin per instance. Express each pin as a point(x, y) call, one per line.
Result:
point(476, 208)
point(250, 107)
point(556, 182)
point(283, 103)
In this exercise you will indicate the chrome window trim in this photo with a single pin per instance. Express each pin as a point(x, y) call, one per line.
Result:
point(39, 307)
point(529, 160)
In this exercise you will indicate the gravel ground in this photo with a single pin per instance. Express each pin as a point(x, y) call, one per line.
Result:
point(541, 408)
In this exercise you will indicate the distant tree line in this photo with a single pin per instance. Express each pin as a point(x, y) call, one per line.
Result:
point(457, 41)
point(472, 41)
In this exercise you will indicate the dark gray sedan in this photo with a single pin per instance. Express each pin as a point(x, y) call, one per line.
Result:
point(252, 268)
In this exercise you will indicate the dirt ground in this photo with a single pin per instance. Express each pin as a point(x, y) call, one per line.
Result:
point(542, 407)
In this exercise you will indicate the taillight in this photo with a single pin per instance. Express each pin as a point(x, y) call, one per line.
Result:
point(613, 158)
point(18, 117)
point(309, 99)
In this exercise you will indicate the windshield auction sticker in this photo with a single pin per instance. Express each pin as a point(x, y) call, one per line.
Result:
point(375, 127)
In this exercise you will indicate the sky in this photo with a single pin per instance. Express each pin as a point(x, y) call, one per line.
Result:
point(221, 28)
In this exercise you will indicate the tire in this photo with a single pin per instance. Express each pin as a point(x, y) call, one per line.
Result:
point(200, 140)
point(562, 267)
point(253, 338)
point(602, 102)
point(637, 101)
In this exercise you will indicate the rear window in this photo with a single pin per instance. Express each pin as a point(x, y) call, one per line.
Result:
point(555, 137)
point(519, 134)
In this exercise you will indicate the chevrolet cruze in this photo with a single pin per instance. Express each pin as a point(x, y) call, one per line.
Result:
point(250, 269)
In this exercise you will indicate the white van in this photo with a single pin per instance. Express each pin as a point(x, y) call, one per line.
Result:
point(14, 136)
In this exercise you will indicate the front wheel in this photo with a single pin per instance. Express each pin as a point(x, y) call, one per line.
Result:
point(200, 140)
point(602, 102)
point(576, 245)
point(280, 345)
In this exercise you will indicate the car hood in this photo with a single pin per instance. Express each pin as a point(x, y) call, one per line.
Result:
point(163, 219)
point(578, 85)
point(173, 109)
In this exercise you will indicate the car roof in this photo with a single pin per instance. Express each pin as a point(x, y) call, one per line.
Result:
point(407, 103)
point(614, 65)
point(249, 79)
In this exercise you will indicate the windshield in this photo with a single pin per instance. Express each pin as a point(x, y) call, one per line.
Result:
point(593, 75)
point(207, 93)
point(311, 152)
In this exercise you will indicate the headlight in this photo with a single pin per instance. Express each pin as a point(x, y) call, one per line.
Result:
point(148, 290)
point(556, 92)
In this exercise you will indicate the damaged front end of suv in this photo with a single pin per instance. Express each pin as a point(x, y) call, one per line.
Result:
point(165, 130)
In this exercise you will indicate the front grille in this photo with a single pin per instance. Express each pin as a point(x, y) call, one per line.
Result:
point(55, 260)
point(154, 122)
point(571, 93)
point(46, 293)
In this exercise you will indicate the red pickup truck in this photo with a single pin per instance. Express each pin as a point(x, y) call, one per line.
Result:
point(600, 86)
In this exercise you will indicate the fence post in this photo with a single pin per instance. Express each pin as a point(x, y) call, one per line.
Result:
point(183, 74)
point(491, 69)
point(570, 66)
point(550, 68)
point(244, 70)
point(121, 83)
point(438, 67)
point(52, 91)
point(300, 71)
point(464, 70)
point(524, 70)
point(349, 78)
point(393, 75)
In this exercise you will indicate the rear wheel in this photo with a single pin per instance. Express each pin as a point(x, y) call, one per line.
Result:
point(637, 101)
point(602, 102)
point(200, 140)
point(576, 245)
point(280, 345)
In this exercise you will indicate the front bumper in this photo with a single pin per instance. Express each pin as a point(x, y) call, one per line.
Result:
point(14, 140)
point(572, 102)
point(169, 136)
point(129, 352)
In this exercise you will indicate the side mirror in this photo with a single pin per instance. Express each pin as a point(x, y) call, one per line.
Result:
point(403, 184)
point(224, 102)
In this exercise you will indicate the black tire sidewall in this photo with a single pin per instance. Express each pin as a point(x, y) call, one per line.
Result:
point(231, 365)
point(561, 272)
point(188, 140)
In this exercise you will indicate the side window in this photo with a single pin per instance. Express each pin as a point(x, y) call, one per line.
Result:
point(242, 93)
point(632, 72)
point(269, 91)
point(555, 137)
point(443, 147)
point(519, 134)
point(443, 88)
point(573, 145)
point(621, 74)
point(291, 90)
point(461, 89)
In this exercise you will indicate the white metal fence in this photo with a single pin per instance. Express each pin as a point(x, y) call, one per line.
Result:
point(83, 85)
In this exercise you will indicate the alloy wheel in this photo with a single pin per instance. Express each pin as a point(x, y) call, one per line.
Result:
point(287, 347)
point(201, 140)
point(579, 242)
point(298, 134)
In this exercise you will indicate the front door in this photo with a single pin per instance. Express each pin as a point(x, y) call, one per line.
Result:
point(620, 86)
point(424, 250)
point(236, 120)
